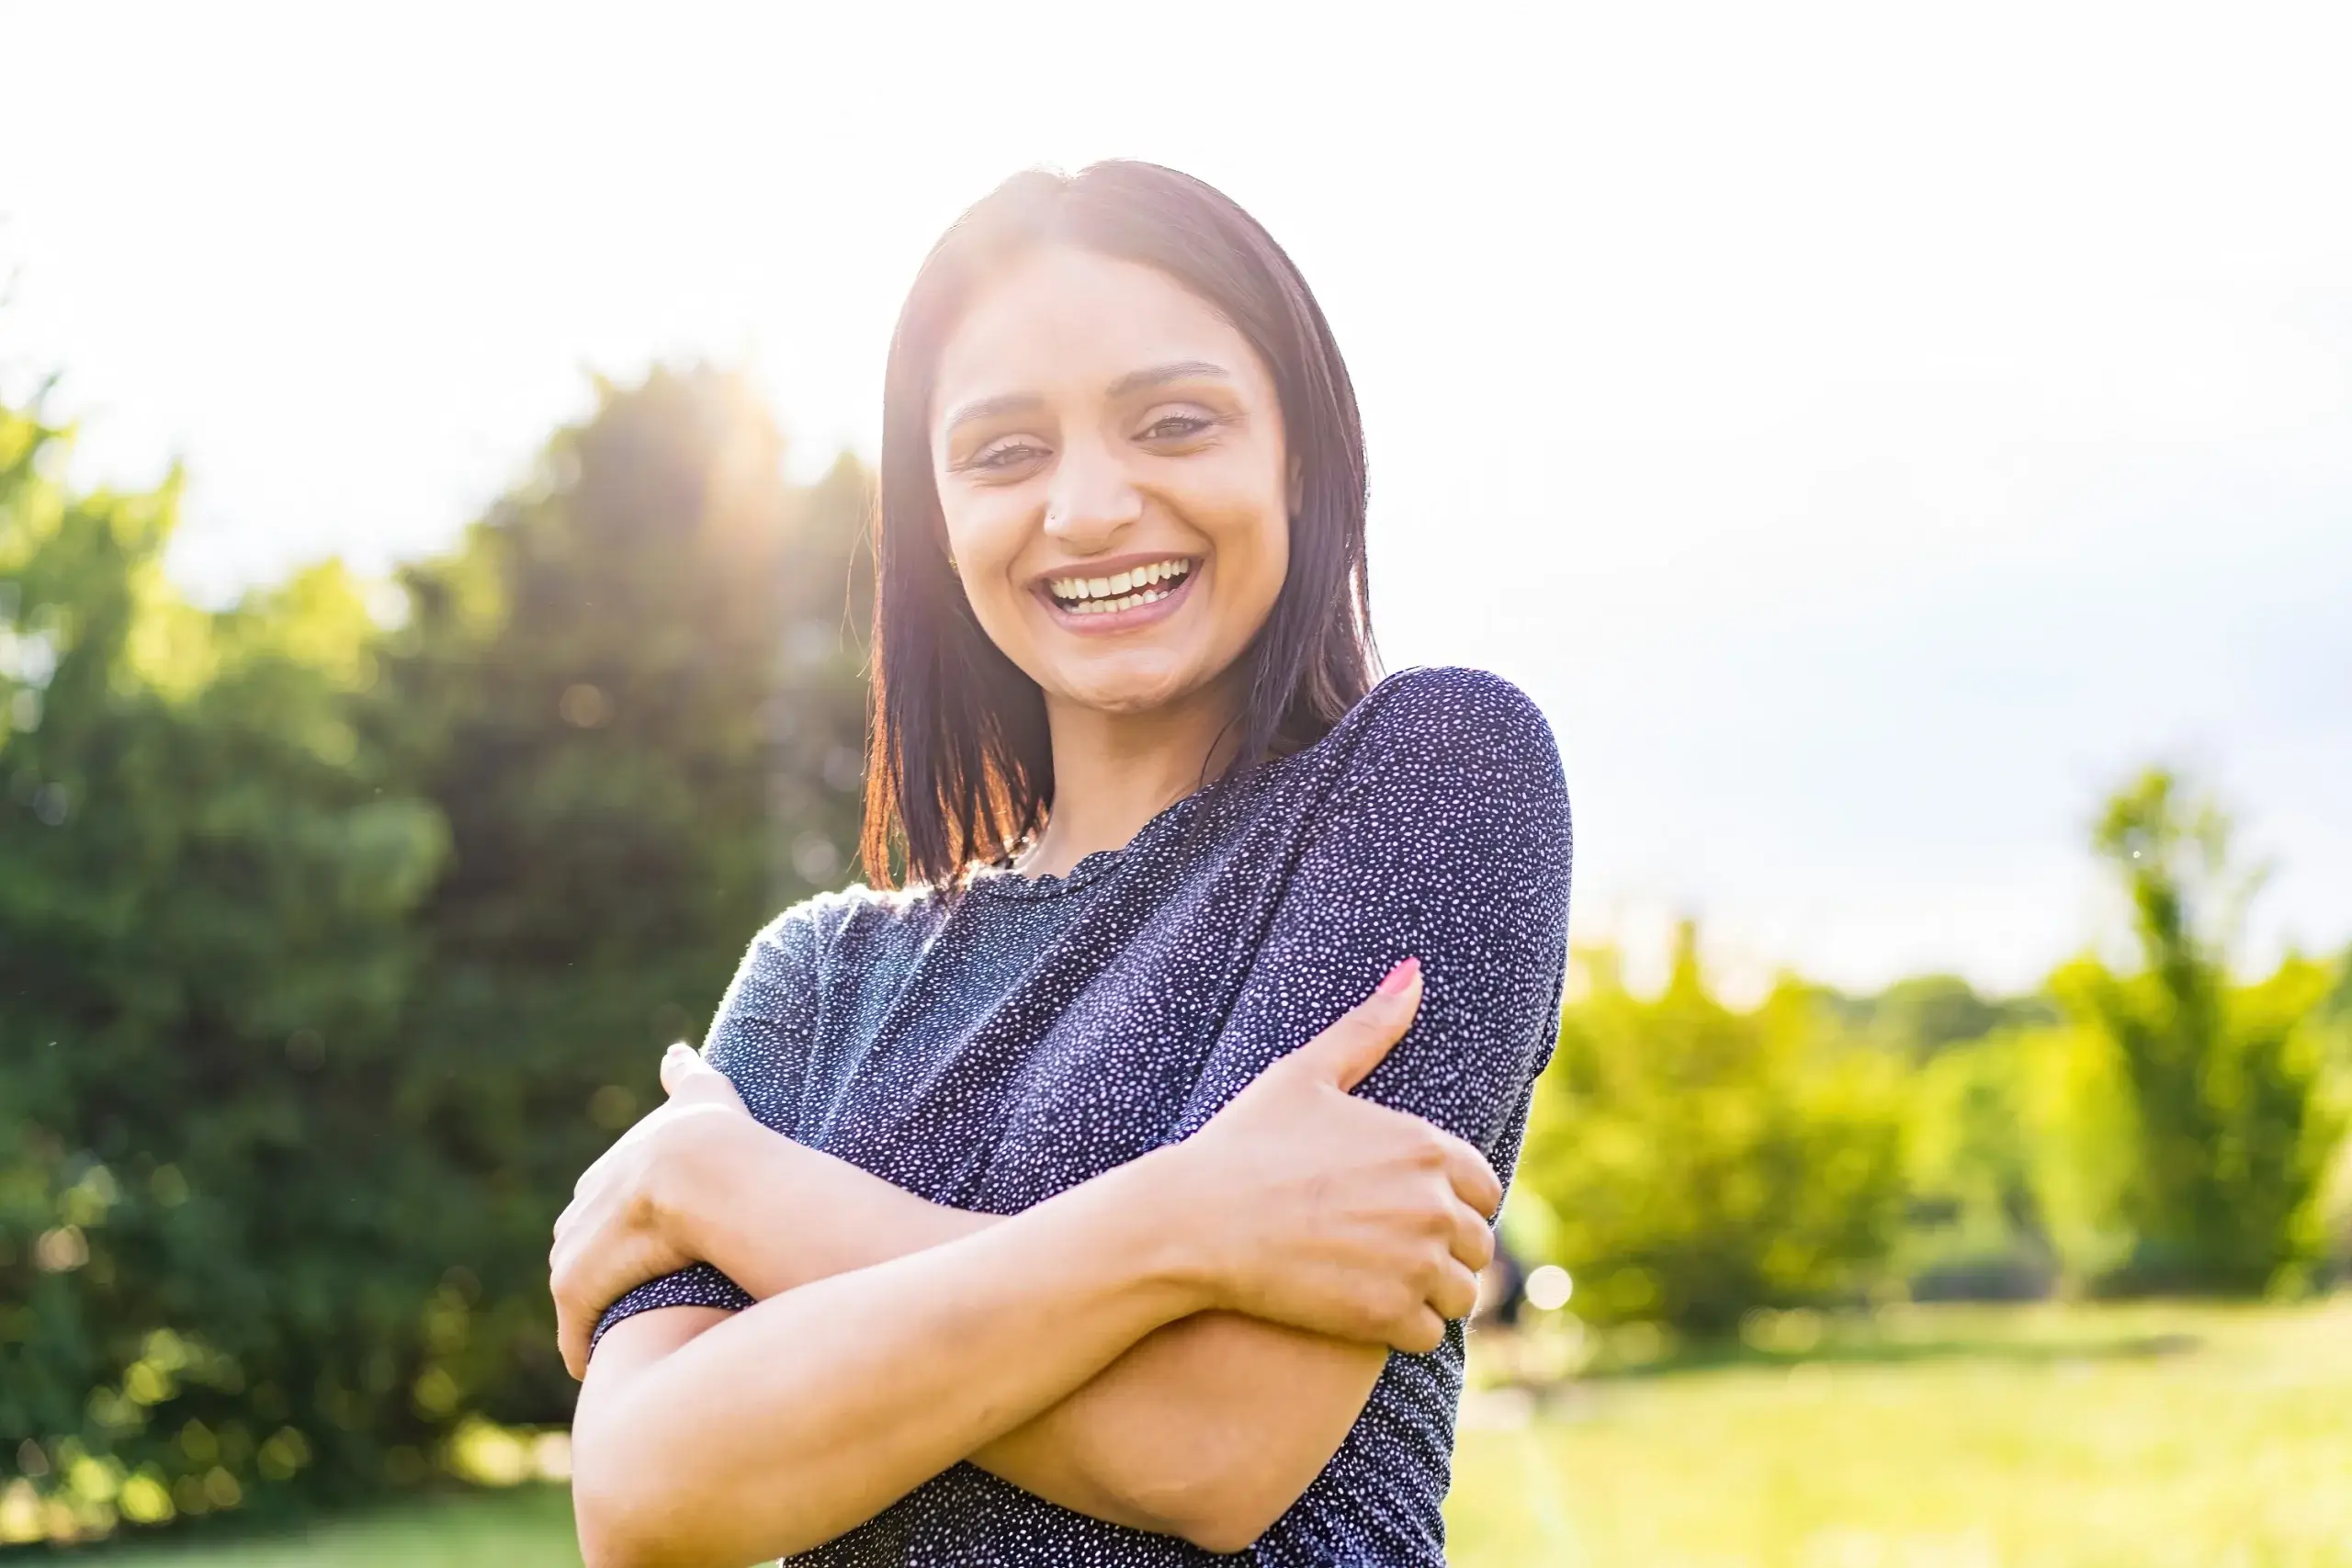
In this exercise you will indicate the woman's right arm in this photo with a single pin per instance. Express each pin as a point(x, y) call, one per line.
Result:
point(780, 1428)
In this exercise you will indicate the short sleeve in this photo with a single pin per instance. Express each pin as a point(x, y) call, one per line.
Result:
point(760, 1039)
point(1445, 836)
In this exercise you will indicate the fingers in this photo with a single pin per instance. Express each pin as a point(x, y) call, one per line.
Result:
point(1455, 1291)
point(1421, 1332)
point(571, 1338)
point(1474, 1179)
point(1353, 1045)
point(1472, 1242)
point(676, 1063)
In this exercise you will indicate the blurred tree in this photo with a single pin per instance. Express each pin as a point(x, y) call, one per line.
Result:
point(635, 695)
point(330, 952)
point(1925, 1014)
point(206, 903)
point(2020, 1153)
point(1702, 1162)
point(2224, 1082)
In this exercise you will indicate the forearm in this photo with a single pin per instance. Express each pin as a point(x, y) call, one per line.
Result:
point(785, 1426)
point(1207, 1428)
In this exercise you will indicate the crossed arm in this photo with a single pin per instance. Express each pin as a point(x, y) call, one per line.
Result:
point(899, 1338)
point(1207, 1428)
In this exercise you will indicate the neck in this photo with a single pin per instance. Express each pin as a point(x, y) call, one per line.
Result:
point(1113, 772)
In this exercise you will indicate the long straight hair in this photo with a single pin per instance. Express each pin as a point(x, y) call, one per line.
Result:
point(960, 768)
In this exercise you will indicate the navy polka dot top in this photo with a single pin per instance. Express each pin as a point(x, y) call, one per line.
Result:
point(991, 1053)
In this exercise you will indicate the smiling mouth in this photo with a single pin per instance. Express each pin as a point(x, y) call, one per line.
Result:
point(1120, 590)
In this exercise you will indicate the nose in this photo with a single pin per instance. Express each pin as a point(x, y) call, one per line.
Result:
point(1090, 498)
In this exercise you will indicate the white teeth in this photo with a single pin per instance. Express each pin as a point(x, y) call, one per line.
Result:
point(1113, 606)
point(1121, 591)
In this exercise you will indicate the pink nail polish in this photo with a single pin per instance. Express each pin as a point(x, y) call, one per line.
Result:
point(1399, 977)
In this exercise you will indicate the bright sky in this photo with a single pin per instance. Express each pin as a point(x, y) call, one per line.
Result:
point(1869, 432)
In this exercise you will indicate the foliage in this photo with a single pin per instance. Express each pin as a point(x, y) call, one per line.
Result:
point(632, 697)
point(330, 952)
point(1923, 1014)
point(2020, 1153)
point(2178, 1132)
point(2232, 1129)
point(1702, 1162)
point(205, 898)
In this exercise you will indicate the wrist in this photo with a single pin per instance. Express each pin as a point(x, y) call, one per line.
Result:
point(708, 1160)
point(1185, 1248)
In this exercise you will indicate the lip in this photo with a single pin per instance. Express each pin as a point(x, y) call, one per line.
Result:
point(1101, 625)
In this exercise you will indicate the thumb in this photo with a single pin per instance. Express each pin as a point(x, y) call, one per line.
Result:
point(688, 1076)
point(678, 1064)
point(1355, 1045)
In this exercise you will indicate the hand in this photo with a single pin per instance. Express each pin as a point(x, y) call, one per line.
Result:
point(1332, 1213)
point(620, 1228)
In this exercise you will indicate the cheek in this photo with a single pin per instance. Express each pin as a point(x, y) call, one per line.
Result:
point(1253, 540)
point(984, 532)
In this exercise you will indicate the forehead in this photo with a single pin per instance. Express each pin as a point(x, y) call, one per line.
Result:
point(1057, 319)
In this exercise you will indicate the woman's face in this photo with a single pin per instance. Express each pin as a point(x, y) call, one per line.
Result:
point(1110, 465)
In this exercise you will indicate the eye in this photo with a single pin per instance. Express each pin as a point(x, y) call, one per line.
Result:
point(1177, 426)
point(1007, 452)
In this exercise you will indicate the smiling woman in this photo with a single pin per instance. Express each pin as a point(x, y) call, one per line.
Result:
point(1114, 1192)
point(1091, 375)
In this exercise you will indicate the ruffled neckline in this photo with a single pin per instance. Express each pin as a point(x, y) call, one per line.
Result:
point(1001, 881)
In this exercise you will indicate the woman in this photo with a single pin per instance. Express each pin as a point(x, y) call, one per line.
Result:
point(1111, 1194)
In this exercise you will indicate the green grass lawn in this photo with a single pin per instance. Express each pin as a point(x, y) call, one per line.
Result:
point(2137, 1436)
point(2023, 1438)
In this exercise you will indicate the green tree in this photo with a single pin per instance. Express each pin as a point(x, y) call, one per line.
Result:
point(330, 952)
point(206, 902)
point(635, 695)
point(2225, 1082)
point(1703, 1161)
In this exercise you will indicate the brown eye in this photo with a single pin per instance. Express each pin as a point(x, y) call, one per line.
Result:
point(1176, 426)
point(1007, 454)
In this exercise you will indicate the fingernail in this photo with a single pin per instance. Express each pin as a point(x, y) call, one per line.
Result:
point(1404, 975)
point(675, 1047)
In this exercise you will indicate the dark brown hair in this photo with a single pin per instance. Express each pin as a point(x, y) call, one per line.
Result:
point(959, 766)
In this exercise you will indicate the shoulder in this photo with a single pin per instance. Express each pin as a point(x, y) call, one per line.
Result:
point(1413, 708)
point(1459, 764)
point(1445, 732)
point(856, 919)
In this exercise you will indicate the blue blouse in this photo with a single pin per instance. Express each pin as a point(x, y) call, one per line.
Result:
point(991, 1052)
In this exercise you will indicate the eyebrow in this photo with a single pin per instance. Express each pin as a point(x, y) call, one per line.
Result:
point(1132, 381)
point(989, 408)
point(1160, 375)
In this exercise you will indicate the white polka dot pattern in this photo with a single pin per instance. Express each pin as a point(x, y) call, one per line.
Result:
point(992, 1052)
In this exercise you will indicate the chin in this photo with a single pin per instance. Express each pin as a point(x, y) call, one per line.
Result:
point(1127, 693)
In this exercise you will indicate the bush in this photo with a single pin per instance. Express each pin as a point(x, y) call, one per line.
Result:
point(1703, 1162)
